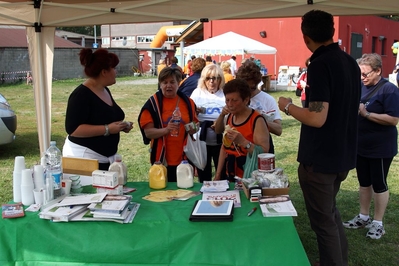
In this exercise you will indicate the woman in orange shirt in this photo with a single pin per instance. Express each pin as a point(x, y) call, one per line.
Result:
point(156, 124)
point(244, 129)
point(225, 66)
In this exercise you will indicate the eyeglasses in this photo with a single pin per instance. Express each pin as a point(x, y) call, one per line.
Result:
point(212, 78)
point(366, 75)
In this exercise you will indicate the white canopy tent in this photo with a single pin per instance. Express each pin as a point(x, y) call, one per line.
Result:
point(42, 16)
point(230, 43)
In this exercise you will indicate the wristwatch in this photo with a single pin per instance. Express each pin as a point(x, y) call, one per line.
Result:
point(367, 115)
point(248, 145)
point(286, 108)
point(106, 134)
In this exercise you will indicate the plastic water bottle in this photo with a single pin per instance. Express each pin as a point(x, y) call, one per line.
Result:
point(119, 167)
point(53, 158)
point(185, 175)
point(176, 117)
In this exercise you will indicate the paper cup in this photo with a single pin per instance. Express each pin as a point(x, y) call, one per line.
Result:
point(27, 195)
point(38, 176)
point(19, 163)
point(38, 194)
point(16, 186)
point(66, 186)
point(26, 178)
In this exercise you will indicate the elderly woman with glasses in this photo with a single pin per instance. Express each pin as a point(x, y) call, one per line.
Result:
point(377, 144)
point(209, 99)
point(156, 123)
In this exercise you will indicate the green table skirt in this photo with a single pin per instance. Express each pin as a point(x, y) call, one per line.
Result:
point(161, 234)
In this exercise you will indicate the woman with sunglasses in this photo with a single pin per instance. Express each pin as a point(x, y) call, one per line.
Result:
point(156, 123)
point(209, 99)
point(377, 144)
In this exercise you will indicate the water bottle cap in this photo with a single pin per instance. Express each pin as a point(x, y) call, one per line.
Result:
point(53, 143)
point(184, 162)
point(118, 158)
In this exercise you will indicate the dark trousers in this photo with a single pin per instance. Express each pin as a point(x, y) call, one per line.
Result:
point(212, 153)
point(319, 191)
point(171, 172)
point(103, 166)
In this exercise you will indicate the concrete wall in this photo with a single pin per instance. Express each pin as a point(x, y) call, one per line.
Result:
point(14, 63)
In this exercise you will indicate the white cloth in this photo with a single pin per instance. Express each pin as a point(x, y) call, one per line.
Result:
point(71, 149)
point(233, 66)
point(213, 104)
point(265, 104)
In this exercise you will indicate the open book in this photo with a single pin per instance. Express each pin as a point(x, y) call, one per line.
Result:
point(280, 205)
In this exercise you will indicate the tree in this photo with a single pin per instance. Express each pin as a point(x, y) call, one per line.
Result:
point(86, 30)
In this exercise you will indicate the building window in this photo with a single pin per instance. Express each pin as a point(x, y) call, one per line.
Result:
point(373, 45)
point(105, 40)
point(145, 39)
point(170, 39)
point(383, 46)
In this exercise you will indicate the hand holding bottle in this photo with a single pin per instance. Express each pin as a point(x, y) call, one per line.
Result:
point(176, 117)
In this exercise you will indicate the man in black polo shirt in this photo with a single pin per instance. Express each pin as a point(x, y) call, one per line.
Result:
point(328, 140)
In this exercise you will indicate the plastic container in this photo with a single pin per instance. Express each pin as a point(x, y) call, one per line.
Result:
point(119, 167)
point(266, 162)
point(157, 176)
point(176, 117)
point(53, 158)
point(185, 175)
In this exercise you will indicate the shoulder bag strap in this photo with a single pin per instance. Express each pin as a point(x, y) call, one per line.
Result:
point(382, 82)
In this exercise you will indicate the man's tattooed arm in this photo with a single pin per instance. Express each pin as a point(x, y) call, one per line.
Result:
point(316, 107)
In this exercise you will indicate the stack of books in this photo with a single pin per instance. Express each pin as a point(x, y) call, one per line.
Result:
point(215, 186)
point(91, 207)
point(280, 205)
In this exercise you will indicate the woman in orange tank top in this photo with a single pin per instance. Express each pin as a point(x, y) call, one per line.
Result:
point(243, 127)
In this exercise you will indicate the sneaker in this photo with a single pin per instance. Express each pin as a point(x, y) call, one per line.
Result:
point(376, 231)
point(357, 223)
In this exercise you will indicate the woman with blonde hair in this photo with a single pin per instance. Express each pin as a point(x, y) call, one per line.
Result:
point(225, 66)
point(209, 98)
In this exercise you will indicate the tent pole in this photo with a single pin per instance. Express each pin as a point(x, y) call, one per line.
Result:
point(275, 71)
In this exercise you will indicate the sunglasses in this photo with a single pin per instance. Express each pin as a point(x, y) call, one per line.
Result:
point(212, 78)
point(366, 75)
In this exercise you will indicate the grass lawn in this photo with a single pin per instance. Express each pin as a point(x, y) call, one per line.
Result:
point(135, 154)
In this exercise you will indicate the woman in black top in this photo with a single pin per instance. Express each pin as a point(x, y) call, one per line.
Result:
point(93, 119)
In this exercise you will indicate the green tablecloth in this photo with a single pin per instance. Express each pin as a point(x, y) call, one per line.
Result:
point(161, 234)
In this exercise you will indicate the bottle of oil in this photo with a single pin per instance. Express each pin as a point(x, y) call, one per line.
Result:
point(157, 177)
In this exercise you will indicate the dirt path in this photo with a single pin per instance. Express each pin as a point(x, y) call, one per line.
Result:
point(144, 81)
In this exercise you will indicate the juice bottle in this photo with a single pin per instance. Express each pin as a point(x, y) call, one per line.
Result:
point(157, 177)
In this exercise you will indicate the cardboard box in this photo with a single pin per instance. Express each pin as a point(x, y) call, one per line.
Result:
point(268, 191)
point(105, 179)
